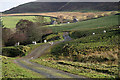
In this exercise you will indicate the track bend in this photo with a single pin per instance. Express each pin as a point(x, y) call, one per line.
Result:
point(44, 70)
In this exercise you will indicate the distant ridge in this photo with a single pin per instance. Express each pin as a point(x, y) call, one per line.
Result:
point(38, 7)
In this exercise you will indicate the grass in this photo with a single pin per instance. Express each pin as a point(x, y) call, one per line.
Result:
point(33, 46)
point(11, 21)
point(86, 69)
point(12, 70)
point(99, 48)
point(85, 42)
point(88, 24)
point(54, 37)
point(15, 51)
point(46, 70)
point(94, 56)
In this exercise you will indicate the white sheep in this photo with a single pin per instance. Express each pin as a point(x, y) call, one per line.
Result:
point(45, 41)
point(34, 42)
point(51, 43)
point(104, 31)
point(93, 33)
point(17, 44)
point(68, 22)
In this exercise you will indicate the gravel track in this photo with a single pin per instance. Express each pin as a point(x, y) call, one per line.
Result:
point(44, 70)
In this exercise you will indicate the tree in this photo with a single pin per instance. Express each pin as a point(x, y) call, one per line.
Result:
point(33, 31)
point(18, 37)
point(24, 25)
point(6, 35)
point(40, 20)
point(60, 19)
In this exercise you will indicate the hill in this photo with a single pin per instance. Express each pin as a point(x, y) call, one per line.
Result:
point(38, 7)
point(88, 24)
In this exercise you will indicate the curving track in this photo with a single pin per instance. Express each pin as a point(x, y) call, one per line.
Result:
point(43, 70)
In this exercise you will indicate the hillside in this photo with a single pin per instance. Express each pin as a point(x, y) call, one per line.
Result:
point(38, 7)
point(88, 24)
point(10, 20)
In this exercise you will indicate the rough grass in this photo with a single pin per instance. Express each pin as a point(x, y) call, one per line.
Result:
point(88, 24)
point(10, 20)
point(94, 56)
point(68, 15)
point(86, 69)
point(88, 43)
point(12, 70)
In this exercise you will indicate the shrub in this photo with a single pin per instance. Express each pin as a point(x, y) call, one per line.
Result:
point(98, 57)
point(54, 36)
point(15, 51)
point(85, 44)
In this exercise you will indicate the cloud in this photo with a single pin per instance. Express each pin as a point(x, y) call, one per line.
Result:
point(7, 4)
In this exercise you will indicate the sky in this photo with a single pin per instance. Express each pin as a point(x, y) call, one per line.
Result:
point(8, 4)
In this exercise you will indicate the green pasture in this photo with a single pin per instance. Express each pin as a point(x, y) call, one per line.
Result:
point(89, 70)
point(88, 24)
point(89, 55)
point(12, 70)
point(11, 21)
point(86, 54)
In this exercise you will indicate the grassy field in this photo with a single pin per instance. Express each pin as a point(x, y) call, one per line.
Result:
point(90, 70)
point(11, 21)
point(88, 24)
point(12, 70)
point(94, 56)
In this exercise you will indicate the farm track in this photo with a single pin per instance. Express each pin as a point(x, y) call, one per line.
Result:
point(44, 70)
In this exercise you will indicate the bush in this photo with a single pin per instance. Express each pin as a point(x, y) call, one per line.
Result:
point(52, 37)
point(15, 51)
point(98, 57)
point(85, 44)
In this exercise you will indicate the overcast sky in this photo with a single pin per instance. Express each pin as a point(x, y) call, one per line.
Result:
point(7, 4)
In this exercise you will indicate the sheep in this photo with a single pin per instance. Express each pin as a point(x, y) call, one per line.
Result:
point(51, 43)
point(17, 44)
point(68, 22)
point(93, 33)
point(104, 31)
point(45, 41)
point(34, 42)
